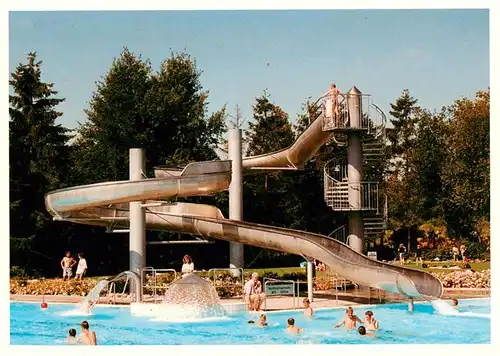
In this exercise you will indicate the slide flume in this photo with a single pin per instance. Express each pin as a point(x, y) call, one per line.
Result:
point(104, 204)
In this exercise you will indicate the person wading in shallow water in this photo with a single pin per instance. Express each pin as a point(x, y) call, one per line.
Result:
point(87, 337)
point(349, 320)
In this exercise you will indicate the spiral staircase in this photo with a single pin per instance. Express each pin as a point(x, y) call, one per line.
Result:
point(371, 131)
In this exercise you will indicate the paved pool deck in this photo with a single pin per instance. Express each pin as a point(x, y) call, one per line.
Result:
point(322, 300)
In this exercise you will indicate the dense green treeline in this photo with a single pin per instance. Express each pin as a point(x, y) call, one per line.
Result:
point(436, 172)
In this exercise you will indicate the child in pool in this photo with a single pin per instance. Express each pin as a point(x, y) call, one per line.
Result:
point(71, 339)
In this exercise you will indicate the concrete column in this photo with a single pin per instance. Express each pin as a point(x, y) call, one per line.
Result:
point(354, 104)
point(356, 231)
point(355, 171)
point(236, 256)
point(310, 267)
point(137, 244)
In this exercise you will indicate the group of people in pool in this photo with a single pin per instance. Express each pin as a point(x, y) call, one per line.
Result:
point(86, 337)
point(349, 321)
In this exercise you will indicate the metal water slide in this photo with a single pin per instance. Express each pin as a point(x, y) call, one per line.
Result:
point(104, 204)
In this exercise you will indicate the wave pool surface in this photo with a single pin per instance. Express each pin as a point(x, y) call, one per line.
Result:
point(115, 326)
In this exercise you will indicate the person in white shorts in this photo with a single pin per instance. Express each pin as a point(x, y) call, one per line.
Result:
point(67, 264)
point(82, 266)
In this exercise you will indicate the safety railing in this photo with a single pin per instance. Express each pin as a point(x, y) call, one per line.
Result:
point(153, 284)
point(281, 287)
point(340, 234)
point(213, 273)
point(351, 196)
point(112, 296)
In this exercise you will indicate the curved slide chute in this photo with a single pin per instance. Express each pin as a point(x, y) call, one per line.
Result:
point(104, 204)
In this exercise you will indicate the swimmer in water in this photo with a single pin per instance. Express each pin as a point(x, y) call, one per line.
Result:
point(362, 331)
point(263, 320)
point(291, 328)
point(454, 303)
point(370, 322)
point(87, 337)
point(71, 339)
point(309, 310)
point(349, 320)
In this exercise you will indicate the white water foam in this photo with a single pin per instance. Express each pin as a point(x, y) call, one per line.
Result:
point(75, 312)
point(445, 308)
point(169, 319)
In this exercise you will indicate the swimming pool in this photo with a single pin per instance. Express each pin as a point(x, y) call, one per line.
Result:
point(115, 326)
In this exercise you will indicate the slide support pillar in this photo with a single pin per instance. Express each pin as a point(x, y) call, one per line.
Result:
point(236, 252)
point(137, 234)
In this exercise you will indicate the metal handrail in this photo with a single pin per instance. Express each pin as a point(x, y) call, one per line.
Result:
point(155, 272)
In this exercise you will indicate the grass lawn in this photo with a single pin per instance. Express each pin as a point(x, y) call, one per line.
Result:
point(280, 271)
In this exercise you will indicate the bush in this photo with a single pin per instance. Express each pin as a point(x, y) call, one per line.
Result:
point(477, 250)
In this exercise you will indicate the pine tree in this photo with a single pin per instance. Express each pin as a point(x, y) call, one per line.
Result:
point(402, 187)
point(402, 134)
point(38, 153)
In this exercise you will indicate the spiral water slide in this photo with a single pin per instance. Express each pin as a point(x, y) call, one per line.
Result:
point(106, 204)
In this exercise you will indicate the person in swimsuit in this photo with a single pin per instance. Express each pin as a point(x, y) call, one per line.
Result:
point(349, 320)
point(454, 303)
point(332, 111)
point(87, 337)
point(67, 264)
point(370, 322)
point(253, 293)
point(362, 331)
point(263, 320)
point(71, 339)
point(291, 328)
point(309, 310)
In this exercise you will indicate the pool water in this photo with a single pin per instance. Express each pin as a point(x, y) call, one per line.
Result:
point(115, 326)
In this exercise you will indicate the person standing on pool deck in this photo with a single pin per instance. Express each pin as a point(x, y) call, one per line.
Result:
point(187, 265)
point(87, 337)
point(67, 264)
point(349, 320)
point(402, 252)
point(82, 266)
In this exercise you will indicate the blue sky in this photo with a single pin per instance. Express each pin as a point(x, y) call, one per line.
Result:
point(440, 55)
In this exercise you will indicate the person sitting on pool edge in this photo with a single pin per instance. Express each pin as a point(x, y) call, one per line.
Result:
point(349, 320)
point(254, 297)
point(309, 310)
point(291, 328)
point(370, 322)
point(87, 337)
